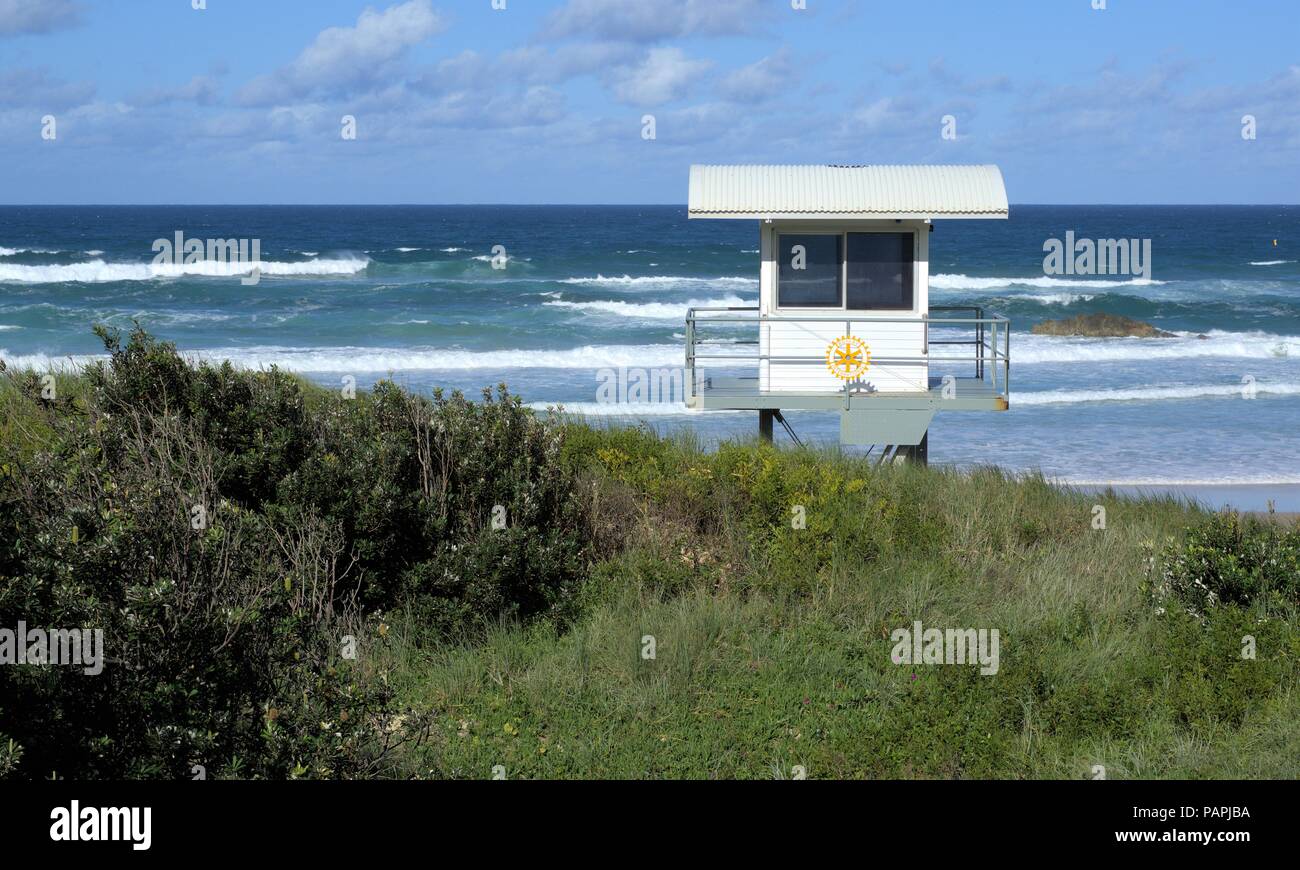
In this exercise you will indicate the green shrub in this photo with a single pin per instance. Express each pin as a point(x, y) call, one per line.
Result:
point(234, 534)
point(1233, 560)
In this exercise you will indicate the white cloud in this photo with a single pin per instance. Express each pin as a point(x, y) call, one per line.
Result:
point(875, 115)
point(464, 70)
point(536, 106)
point(200, 89)
point(37, 16)
point(905, 117)
point(35, 87)
point(345, 58)
point(534, 63)
point(528, 65)
point(664, 75)
point(762, 80)
point(651, 20)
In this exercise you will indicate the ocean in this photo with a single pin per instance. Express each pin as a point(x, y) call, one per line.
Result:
point(410, 292)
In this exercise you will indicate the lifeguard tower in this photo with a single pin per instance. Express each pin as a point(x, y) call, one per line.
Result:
point(844, 320)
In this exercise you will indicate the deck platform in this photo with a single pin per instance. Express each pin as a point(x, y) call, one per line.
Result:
point(743, 393)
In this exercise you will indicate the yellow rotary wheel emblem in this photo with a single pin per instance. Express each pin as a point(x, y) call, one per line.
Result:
point(848, 357)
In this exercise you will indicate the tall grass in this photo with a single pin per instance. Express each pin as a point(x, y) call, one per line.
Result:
point(772, 643)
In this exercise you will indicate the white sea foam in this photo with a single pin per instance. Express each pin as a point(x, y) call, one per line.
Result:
point(171, 317)
point(46, 363)
point(1150, 394)
point(660, 281)
point(409, 250)
point(369, 359)
point(1245, 345)
point(397, 359)
point(651, 310)
point(383, 359)
point(966, 282)
point(98, 271)
point(452, 250)
point(620, 409)
point(1270, 262)
point(1024, 350)
point(1057, 298)
point(11, 252)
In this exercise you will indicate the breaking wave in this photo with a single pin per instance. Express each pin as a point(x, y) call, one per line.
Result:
point(651, 310)
point(1150, 394)
point(965, 282)
point(658, 281)
point(99, 272)
point(1245, 345)
point(380, 359)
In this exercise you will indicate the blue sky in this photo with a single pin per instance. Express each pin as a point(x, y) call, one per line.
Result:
point(455, 101)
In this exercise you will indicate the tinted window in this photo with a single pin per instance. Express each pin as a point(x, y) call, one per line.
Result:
point(809, 271)
point(879, 271)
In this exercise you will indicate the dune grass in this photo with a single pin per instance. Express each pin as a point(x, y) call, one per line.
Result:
point(772, 643)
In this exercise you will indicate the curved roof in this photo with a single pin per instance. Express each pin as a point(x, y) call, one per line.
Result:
point(868, 191)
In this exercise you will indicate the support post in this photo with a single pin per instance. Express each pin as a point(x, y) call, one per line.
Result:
point(921, 452)
point(765, 419)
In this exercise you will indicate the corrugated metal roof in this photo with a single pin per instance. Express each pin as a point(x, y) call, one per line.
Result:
point(847, 191)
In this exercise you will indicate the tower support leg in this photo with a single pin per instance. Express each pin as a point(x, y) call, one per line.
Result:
point(765, 419)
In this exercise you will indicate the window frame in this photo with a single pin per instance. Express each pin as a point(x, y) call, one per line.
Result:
point(843, 233)
point(843, 276)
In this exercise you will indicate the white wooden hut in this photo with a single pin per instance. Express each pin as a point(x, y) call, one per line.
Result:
point(844, 319)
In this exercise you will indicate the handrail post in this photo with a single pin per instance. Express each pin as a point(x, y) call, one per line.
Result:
point(1006, 362)
point(993, 344)
point(690, 355)
point(848, 330)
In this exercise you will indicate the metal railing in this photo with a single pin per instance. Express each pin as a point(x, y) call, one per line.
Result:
point(990, 339)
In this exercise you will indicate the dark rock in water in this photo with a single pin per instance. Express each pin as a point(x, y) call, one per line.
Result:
point(1101, 326)
point(1203, 337)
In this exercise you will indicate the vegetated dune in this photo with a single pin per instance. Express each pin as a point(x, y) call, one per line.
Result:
point(294, 582)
